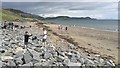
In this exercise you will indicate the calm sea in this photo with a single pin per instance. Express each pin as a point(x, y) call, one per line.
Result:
point(108, 25)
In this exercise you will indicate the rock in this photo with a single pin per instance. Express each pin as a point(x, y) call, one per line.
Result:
point(73, 59)
point(19, 51)
point(90, 62)
point(19, 60)
point(1, 64)
point(34, 54)
point(11, 63)
point(60, 58)
point(42, 60)
point(73, 64)
point(82, 60)
point(27, 58)
point(38, 64)
point(2, 50)
point(5, 58)
point(47, 55)
point(71, 46)
point(110, 63)
point(28, 64)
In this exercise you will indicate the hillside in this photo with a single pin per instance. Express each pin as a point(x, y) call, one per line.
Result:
point(12, 14)
point(67, 17)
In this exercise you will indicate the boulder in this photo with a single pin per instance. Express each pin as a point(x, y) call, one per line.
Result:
point(34, 54)
point(5, 58)
point(28, 64)
point(27, 58)
point(12, 63)
point(73, 64)
point(19, 60)
point(47, 55)
point(1, 64)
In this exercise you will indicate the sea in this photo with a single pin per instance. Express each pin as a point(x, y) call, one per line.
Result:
point(105, 25)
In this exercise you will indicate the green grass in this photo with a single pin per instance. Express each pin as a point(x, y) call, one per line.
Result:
point(8, 15)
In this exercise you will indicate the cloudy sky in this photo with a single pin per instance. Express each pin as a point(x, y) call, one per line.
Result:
point(99, 10)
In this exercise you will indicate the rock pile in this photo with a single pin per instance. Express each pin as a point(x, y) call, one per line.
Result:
point(12, 53)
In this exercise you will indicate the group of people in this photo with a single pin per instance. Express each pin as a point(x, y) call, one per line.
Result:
point(43, 39)
point(60, 27)
point(9, 25)
point(12, 26)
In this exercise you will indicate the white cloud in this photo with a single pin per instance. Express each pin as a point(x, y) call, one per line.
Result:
point(60, 0)
point(100, 10)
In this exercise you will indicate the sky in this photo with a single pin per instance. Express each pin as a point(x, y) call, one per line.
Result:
point(93, 8)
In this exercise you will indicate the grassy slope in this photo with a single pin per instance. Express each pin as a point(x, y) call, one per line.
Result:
point(12, 14)
point(8, 15)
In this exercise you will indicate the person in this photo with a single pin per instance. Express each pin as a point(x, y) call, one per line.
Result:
point(26, 38)
point(44, 35)
point(66, 28)
point(5, 25)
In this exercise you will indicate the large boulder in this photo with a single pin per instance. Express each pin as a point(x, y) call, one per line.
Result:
point(47, 55)
point(34, 54)
point(27, 58)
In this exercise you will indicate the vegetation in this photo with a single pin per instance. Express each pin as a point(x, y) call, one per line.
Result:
point(12, 14)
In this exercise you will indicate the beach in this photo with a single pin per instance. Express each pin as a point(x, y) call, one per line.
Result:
point(73, 47)
point(89, 41)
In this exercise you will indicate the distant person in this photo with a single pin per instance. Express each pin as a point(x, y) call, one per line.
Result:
point(59, 27)
point(66, 28)
point(26, 38)
point(44, 35)
point(5, 25)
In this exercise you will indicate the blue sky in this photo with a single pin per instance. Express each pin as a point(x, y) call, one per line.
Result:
point(99, 10)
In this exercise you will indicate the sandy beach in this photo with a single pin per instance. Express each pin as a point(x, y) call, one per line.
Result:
point(89, 41)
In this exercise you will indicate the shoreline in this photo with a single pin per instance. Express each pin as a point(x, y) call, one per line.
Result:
point(100, 29)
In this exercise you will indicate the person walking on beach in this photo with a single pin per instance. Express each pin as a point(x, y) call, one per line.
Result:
point(66, 28)
point(44, 36)
point(26, 38)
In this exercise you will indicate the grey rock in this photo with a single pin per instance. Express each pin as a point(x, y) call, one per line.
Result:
point(47, 55)
point(27, 58)
point(19, 60)
point(71, 46)
point(73, 64)
point(38, 64)
point(28, 64)
point(73, 59)
point(60, 58)
point(12, 63)
point(35, 54)
point(1, 64)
